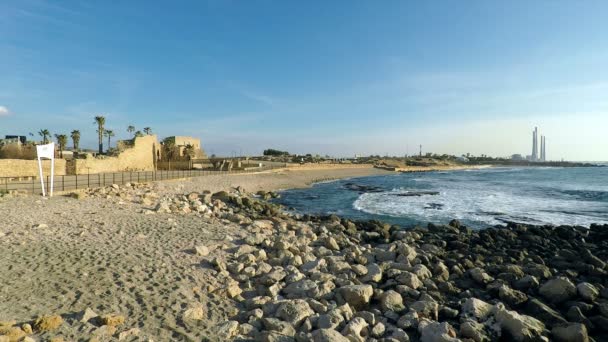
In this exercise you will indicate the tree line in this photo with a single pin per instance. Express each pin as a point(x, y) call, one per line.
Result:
point(102, 131)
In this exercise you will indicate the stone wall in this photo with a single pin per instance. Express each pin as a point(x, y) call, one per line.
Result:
point(140, 157)
point(29, 168)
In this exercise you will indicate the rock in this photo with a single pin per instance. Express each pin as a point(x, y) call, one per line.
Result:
point(273, 336)
point(431, 331)
point(86, 315)
point(328, 335)
point(571, 332)
point(558, 290)
point(510, 296)
point(294, 311)
point(378, 330)
point(540, 310)
point(27, 328)
point(408, 321)
point(128, 333)
point(331, 320)
point(112, 320)
point(104, 332)
point(519, 327)
point(374, 274)
point(195, 312)
point(409, 279)
point(48, 323)
point(587, 291)
point(356, 329)
point(228, 330)
point(279, 326)
point(201, 250)
point(391, 301)
point(480, 276)
point(12, 334)
point(527, 282)
point(477, 308)
point(473, 330)
point(332, 244)
point(426, 308)
point(357, 296)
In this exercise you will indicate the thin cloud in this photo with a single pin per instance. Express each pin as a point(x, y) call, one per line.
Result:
point(4, 111)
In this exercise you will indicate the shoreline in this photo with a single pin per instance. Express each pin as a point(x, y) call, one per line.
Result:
point(159, 261)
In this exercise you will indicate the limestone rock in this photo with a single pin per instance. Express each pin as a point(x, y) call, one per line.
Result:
point(228, 330)
point(558, 290)
point(426, 308)
point(194, 312)
point(48, 323)
point(201, 250)
point(476, 308)
point(328, 335)
point(480, 276)
point(391, 301)
point(356, 329)
point(112, 320)
point(587, 291)
point(519, 327)
point(572, 332)
point(294, 311)
point(356, 295)
point(431, 331)
point(86, 315)
point(409, 279)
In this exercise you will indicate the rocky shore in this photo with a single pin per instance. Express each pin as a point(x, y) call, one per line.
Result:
point(308, 278)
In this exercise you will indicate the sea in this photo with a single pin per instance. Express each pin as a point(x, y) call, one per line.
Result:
point(479, 198)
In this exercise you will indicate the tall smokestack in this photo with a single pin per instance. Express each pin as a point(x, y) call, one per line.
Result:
point(535, 144)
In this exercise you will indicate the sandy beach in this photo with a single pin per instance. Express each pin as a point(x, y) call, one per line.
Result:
point(61, 256)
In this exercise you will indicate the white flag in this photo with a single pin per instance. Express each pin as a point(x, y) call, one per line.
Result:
point(46, 151)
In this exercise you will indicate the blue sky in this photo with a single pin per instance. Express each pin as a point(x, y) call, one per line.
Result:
point(338, 77)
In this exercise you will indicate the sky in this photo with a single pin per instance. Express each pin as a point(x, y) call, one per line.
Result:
point(323, 77)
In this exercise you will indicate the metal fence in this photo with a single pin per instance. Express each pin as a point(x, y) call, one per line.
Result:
point(32, 185)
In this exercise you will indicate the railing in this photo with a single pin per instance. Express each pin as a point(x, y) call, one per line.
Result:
point(32, 185)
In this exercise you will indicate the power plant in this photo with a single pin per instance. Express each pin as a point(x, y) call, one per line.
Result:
point(535, 148)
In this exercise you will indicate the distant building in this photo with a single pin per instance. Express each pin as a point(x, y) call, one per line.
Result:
point(180, 144)
point(517, 157)
point(462, 159)
point(22, 139)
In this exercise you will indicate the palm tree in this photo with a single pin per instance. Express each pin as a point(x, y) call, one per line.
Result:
point(109, 133)
point(62, 141)
point(100, 121)
point(75, 138)
point(131, 129)
point(148, 130)
point(45, 134)
point(139, 134)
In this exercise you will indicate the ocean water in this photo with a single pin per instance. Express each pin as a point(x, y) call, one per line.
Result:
point(478, 198)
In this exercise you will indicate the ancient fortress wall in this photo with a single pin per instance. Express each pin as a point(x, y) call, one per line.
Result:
point(140, 157)
point(29, 168)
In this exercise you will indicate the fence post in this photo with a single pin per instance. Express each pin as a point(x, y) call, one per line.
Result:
point(63, 183)
point(113, 181)
point(76, 181)
point(88, 180)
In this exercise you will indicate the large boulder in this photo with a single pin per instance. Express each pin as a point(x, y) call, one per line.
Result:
point(558, 290)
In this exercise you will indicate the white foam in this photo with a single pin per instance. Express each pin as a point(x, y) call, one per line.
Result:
point(480, 201)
